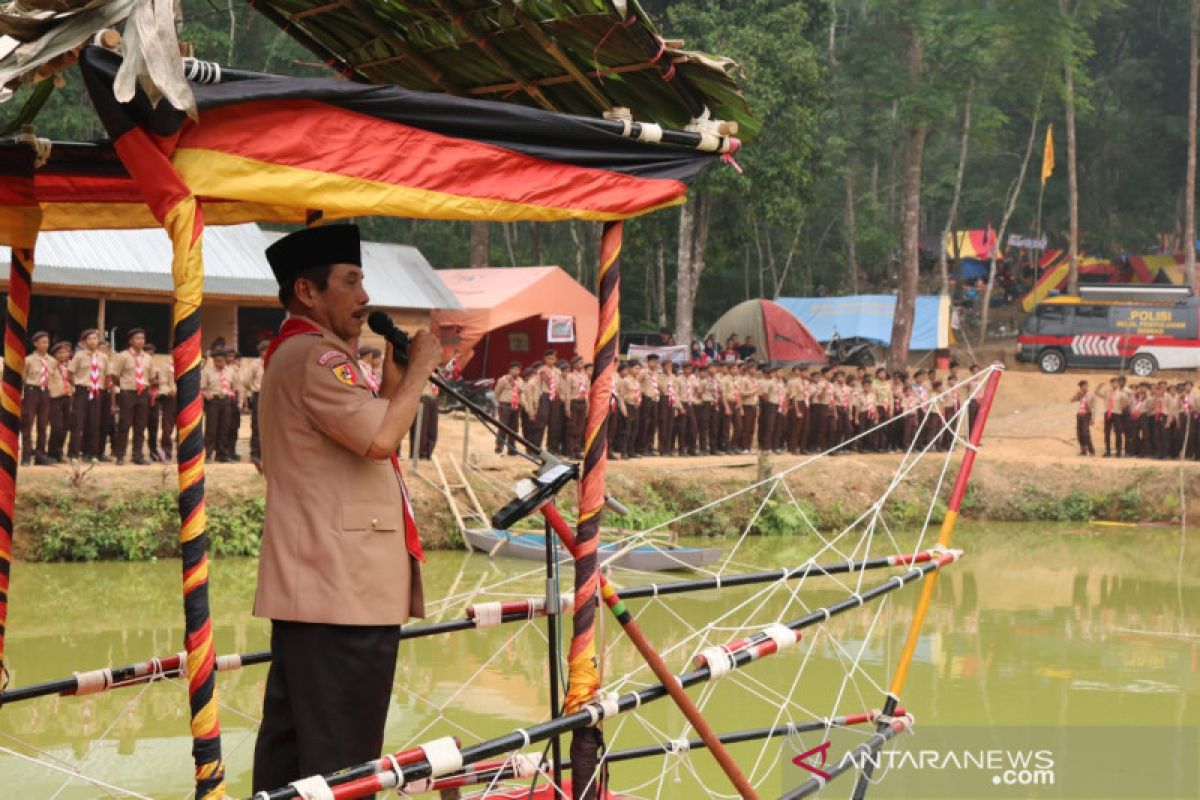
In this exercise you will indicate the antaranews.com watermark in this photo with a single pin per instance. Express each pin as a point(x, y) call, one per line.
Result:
point(999, 763)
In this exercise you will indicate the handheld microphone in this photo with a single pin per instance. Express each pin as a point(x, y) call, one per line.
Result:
point(382, 324)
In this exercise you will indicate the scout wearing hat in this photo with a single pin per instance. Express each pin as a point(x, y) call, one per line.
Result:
point(88, 368)
point(338, 573)
point(35, 400)
point(575, 404)
point(651, 384)
point(629, 406)
point(706, 409)
point(162, 414)
point(508, 406)
point(233, 365)
point(60, 391)
point(533, 425)
point(551, 408)
point(130, 374)
point(217, 386)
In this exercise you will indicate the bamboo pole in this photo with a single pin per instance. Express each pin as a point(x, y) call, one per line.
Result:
point(944, 537)
point(656, 663)
point(411, 55)
point(538, 35)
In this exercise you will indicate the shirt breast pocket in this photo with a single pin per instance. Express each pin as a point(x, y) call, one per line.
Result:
point(374, 517)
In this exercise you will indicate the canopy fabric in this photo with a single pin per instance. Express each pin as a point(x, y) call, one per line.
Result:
point(870, 317)
point(778, 335)
point(346, 150)
point(977, 244)
point(973, 268)
point(494, 298)
point(1056, 268)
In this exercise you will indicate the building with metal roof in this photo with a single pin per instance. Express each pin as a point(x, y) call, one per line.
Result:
point(119, 279)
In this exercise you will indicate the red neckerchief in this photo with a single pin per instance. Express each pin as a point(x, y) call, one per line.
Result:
point(292, 326)
point(298, 326)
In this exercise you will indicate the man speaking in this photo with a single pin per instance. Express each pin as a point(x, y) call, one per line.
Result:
point(339, 570)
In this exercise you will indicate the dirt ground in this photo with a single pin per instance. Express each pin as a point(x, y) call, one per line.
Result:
point(1029, 447)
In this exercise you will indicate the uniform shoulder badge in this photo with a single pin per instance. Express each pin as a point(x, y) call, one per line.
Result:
point(331, 358)
point(344, 373)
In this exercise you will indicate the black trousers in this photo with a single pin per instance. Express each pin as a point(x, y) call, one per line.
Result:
point(512, 418)
point(86, 423)
point(60, 424)
point(161, 430)
point(35, 408)
point(556, 425)
point(1083, 432)
point(133, 414)
point(218, 416)
point(1114, 430)
point(326, 700)
point(255, 437)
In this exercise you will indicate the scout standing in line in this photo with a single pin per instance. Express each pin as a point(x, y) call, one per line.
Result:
point(252, 386)
point(1083, 419)
point(551, 408)
point(35, 403)
point(747, 386)
point(130, 373)
point(629, 403)
point(339, 571)
point(575, 406)
point(730, 410)
point(533, 425)
point(650, 379)
point(164, 381)
point(60, 400)
point(668, 408)
point(88, 368)
point(706, 410)
point(216, 387)
point(508, 406)
point(108, 413)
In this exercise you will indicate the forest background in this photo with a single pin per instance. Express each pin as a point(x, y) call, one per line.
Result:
point(884, 121)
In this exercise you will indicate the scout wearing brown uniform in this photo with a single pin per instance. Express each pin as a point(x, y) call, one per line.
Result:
point(690, 388)
point(252, 387)
point(162, 412)
point(651, 383)
point(339, 569)
point(575, 404)
point(1083, 419)
point(629, 404)
point(819, 413)
point(35, 402)
point(533, 425)
point(730, 410)
point(217, 383)
point(707, 396)
point(551, 407)
point(508, 406)
point(883, 410)
point(1115, 402)
point(747, 386)
point(130, 374)
point(668, 408)
point(769, 397)
point(796, 391)
point(88, 368)
point(60, 400)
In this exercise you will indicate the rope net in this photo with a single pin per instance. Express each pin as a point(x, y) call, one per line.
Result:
point(787, 644)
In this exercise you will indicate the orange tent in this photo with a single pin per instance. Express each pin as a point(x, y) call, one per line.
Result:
point(507, 314)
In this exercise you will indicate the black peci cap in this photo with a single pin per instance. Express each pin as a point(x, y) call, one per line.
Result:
point(134, 332)
point(314, 247)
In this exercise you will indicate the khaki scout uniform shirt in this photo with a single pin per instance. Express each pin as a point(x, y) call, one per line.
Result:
point(652, 383)
point(252, 376)
point(81, 368)
point(210, 381)
point(59, 380)
point(574, 387)
point(333, 548)
point(34, 364)
point(504, 391)
point(629, 393)
point(531, 395)
point(164, 378)
point(122, 368)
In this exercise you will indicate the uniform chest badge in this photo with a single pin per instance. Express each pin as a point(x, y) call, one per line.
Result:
point(345, 373)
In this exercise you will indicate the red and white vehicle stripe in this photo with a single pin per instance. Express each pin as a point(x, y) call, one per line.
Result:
point(1096, 345)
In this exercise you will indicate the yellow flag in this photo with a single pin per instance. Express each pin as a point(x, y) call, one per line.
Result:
point(1048, 155)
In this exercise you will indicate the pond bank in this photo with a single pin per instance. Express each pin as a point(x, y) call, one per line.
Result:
point(129, 513)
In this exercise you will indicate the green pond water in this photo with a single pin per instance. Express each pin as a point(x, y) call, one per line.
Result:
point(1048, 626)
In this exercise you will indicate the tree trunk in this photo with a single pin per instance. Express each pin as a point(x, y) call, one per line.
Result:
point(661, 286)
point(1189, 222)
point(481, 243)
point(507, 229)
point(693, 239)
point(1072, 176)
point(1010, 206)
point(912, 155)
point(536, 239)
point(958, 182)
point(580, 250)
point(851, 231)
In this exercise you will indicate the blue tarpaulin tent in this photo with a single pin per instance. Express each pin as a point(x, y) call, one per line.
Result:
point(869, 316)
